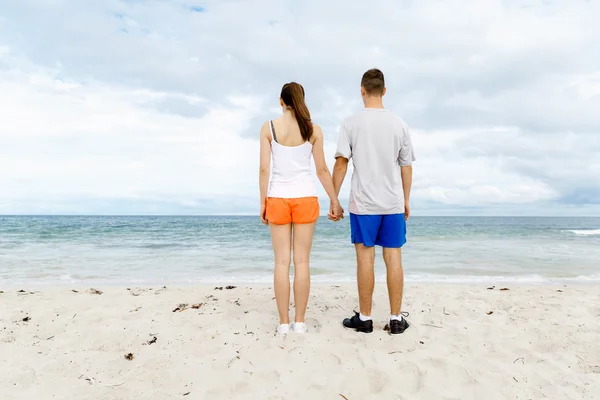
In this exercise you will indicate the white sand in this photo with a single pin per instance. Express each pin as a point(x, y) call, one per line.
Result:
point(538, 343)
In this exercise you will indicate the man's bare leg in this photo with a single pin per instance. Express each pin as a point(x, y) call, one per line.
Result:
point(365, 275)
point(395, 277)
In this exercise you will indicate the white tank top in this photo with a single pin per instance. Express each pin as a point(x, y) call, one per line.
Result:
point(291, 176)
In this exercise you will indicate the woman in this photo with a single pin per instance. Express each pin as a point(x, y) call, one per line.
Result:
point(289, 203)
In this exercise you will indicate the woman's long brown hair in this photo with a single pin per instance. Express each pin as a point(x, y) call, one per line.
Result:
point(292, 95)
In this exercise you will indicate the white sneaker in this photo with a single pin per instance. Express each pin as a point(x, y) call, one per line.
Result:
point(283, 329)
point(300, 327)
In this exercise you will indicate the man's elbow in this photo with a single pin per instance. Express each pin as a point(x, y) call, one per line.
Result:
point(264, 170)
point(341, 164)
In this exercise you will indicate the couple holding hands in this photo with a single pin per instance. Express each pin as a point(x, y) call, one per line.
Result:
point(379, 144)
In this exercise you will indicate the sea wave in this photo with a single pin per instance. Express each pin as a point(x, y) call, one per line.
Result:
point(585, 232)
point(267, 279)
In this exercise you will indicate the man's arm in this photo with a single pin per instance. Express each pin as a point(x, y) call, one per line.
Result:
point(343, 153)
point(406, 156)
point(339, 173)
point(406, 173)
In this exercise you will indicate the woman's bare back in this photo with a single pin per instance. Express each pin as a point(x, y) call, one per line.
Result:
point(288, 131)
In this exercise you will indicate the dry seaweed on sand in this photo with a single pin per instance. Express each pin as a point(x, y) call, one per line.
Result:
point(504, 288)
point(218, 287)
point(181, 307)
point(197, 306)
point(94, 291)
point(26, 319)
point(230, 287)
point(129, 356)
point(489, 312)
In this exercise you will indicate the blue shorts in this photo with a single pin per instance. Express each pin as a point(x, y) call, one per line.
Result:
point(381, 230)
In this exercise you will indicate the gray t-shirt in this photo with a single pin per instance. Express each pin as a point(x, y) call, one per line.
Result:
point(378, 142)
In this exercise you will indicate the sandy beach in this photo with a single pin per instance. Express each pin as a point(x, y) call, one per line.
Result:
point(465, 342)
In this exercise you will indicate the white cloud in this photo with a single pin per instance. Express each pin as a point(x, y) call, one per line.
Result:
point(153, 106)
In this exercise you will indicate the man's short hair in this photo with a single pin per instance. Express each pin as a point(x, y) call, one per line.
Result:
point(373, 82)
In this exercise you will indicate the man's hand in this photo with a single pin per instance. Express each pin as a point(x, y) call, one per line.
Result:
point(406, 210)
point(336, 212)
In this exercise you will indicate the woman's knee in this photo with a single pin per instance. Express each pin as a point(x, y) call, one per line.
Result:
point(283, 263)
point(300, 262)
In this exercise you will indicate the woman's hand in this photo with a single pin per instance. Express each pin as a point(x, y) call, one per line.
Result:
point(263, 213)
point(336, 212)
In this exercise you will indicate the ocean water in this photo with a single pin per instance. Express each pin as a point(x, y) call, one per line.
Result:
point(194, 250)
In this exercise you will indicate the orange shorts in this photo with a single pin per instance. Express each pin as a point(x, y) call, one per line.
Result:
point(303, 210)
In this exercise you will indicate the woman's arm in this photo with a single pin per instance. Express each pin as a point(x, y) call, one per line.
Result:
point(322, 170)
point(265, 162)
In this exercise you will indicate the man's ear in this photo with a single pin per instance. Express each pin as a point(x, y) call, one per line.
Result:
point(384, 92)
point(363, 92)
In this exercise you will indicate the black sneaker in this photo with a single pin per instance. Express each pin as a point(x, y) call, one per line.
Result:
point(396, 327)
point(356, 323)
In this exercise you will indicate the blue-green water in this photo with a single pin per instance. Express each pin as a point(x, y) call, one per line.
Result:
point(189, 250)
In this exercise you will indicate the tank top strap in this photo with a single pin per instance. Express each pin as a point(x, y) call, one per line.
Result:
point(273, 131)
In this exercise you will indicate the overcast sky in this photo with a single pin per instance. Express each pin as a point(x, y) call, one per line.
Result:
point(155, 107)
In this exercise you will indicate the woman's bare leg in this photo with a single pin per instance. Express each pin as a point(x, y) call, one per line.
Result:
point(303, 237)
point(281, 236)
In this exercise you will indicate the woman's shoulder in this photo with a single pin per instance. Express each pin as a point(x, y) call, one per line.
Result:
point(317, 129)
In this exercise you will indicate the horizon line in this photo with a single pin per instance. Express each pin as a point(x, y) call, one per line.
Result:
point(320, 216)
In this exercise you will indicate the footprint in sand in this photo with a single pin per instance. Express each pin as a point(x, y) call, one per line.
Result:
point(314, 325)
point(409, 377)
point(377, 380)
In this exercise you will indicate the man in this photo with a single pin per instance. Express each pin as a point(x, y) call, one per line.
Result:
point(379, 144)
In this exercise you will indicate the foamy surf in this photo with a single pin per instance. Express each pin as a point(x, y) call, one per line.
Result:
point(586, 232)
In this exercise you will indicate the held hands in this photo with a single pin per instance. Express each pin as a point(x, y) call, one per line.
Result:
point(336, 212)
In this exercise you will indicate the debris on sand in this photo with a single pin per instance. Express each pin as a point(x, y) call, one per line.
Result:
point(152, 341)
point(186, 393)
point(1, 292)
point(94, 291)
point(88, 379)
point(197, 306)
point(26, 319)
point(491, 288)
point(181, 307)
point(504, 288)
point(129, 356)
point(218, 287)
point(74, 291)
point(230, 287)
point(21, 291)
point(489, 312)
point(136, 309)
